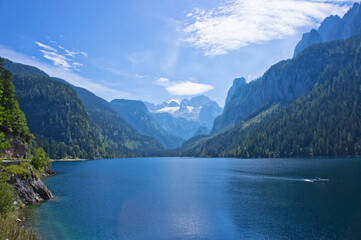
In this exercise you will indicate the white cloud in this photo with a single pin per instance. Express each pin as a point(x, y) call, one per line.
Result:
point(183, 88)
point(188, 88)
point(63, 58)
point(73, 78)
point(238, 23)
point(57, 59)
point(163, 82)
point(46, 47)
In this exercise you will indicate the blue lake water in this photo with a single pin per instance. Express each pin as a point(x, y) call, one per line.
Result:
point(194, 198)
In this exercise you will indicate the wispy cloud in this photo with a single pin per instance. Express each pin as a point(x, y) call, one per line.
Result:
point(46, 47)
point(71, 77)
point(238, 23)
point(61, 57)
point(140, 57)
point(121, 73)
point(183, 88)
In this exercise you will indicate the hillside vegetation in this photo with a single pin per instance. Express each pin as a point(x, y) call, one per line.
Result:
point(324, 122)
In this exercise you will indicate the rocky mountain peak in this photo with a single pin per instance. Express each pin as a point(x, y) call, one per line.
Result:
point(333, 28)
point(237, 83)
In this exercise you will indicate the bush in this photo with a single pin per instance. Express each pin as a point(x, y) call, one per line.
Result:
point(40, 160)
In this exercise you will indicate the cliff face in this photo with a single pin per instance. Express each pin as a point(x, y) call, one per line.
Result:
point(31, 189)
point(333, 28)
point(18, 148)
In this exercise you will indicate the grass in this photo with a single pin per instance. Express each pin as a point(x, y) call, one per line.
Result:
point(20, 170)
point(10, 229)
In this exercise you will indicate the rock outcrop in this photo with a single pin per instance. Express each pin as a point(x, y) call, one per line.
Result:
point(31, 189)
point(18, 148)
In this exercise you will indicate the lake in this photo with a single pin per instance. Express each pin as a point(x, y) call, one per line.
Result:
point(195, 198)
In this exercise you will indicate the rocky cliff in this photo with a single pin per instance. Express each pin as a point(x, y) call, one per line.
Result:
point(30, 189)
point(18, 148)
point(333, 28)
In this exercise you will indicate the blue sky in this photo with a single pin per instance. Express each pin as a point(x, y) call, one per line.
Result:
point(157, 50)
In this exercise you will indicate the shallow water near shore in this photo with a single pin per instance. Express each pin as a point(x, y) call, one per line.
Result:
point(195, 198)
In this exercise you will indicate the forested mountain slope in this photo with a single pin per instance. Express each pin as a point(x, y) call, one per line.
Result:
point(120, 139)
point(14, 131)
point(324, 122)
point(68, 125)
point(56, 117)
point(289, 79)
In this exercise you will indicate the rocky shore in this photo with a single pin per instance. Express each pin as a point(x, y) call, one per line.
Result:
point(30, 189)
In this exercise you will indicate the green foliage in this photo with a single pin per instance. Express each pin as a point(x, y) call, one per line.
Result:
point(12, 119)
point(6, 199)
point(40, 160)
point(3, 144)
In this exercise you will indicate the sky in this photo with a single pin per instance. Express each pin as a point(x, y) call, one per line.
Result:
point(157, 50)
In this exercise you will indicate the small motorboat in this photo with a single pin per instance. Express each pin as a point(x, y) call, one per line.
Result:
point(318, 179)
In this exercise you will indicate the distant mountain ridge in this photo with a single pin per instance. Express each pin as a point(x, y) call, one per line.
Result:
point(186, 117)
point(136, 114)
point(333, 28)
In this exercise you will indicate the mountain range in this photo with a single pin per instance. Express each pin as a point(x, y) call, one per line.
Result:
point(287, 80)
point(305, 106)
point(69, 121)
point(138, 116)
point(186, 118)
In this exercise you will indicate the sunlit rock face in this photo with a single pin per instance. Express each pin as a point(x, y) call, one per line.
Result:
point(333, 28)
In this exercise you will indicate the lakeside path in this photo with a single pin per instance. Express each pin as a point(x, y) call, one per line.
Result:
point(13, 162)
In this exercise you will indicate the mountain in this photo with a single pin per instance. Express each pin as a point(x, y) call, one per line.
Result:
point(178, 126)
point(120, 138)
point(333, 28)
point(138, 116)
point(184, 118)
point(282, 83)
point(326, 121)
point(54, 113)
point(237, 83)
point(74, 123)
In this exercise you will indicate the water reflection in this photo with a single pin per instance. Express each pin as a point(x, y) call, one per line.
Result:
point(272, 201)
point(188, 198)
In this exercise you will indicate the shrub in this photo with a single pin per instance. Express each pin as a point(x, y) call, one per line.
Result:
point(40, 160)
point(10, 229)
point(20, 170)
